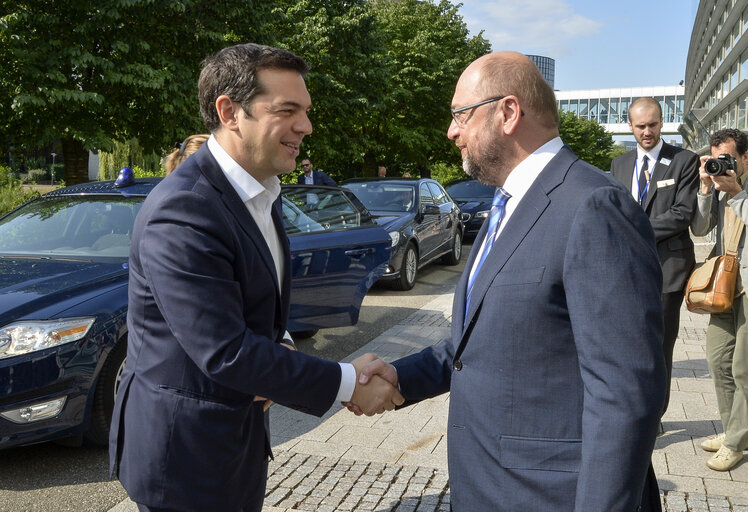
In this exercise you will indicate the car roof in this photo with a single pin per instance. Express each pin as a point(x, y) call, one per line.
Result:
point(408, 181)
point(141, 187)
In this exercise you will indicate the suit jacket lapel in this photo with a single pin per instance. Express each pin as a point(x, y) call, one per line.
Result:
point(213, 173)
point(658, 173)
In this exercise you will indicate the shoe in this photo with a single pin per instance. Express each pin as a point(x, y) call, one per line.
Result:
point(724, 459)
point(712, 443)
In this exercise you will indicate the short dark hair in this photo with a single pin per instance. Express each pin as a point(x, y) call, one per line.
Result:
point(646, 100)
point(233, 72)
point(721, 136)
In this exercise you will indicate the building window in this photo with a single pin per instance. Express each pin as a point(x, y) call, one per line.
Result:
point(603, 110)
point(613, 116)
point(593, 109)
point(625, 102)
point(734, 77)
point(679, 107)
point(583, 111)
point(741, 113)
point(668, 112)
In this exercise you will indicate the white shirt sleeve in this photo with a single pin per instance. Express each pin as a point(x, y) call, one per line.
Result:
point(347, 382)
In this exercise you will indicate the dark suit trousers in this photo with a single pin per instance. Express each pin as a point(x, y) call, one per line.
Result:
point(671, 303)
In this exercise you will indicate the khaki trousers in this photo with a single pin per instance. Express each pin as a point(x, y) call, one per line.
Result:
point(727, 354)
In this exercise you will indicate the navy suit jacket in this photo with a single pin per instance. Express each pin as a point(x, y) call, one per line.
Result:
point(205, 317)
point(557, 377)
point(318, 178)
point(670, 204)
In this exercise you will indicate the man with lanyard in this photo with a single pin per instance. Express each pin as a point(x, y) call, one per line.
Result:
point(664, 180)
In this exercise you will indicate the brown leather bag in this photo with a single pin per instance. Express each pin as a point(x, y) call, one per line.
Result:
point(711, 287)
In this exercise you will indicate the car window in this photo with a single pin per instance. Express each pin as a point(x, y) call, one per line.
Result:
point(71, 226)
point(385, 196)
point(308, 210)
point(470, 189)
point(426, 197)
point(440, 197)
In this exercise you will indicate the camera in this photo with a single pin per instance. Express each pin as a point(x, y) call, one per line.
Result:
point(720, 165)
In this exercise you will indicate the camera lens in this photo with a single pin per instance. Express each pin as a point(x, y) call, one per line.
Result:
point(715, 167)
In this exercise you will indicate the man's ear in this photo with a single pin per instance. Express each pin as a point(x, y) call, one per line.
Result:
point(228, 112)
point(512, 113)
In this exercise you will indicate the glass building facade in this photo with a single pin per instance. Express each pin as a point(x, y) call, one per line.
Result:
point(547, 67)
point(610, 107)
point(716, 72)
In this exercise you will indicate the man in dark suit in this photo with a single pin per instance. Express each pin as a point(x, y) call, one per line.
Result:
point(311, 176)
point(665, 185)
point(554, 366)
point(209, 300)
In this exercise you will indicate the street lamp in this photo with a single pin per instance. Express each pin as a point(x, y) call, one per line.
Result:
point(54, 155)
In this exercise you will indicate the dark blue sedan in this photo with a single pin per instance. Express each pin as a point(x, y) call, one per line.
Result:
point(63, 296)
point(474, 199)
point(422, 220)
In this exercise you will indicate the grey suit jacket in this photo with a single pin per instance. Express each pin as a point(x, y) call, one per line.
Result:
point(557, 376)
point(670, 203)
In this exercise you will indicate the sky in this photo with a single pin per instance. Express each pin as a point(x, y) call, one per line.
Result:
point(597, 44)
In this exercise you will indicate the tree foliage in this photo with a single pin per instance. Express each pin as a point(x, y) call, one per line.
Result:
point(587, 139)
point(91, 73)
point(88, 73)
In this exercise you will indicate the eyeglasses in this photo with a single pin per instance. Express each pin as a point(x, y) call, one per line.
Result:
point(306, 165)
point(462, 114)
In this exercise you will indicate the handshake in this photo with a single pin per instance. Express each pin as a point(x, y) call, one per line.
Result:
point(376, 387)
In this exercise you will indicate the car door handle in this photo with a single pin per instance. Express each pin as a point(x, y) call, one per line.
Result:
point(359, 253)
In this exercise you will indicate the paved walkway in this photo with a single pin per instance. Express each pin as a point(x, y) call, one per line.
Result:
point(398, 461)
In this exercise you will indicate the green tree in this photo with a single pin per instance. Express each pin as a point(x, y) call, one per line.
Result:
point(89, 73)
point(383, 74)
point(587, 139)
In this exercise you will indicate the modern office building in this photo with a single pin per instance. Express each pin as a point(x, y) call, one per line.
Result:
point(716, 72)
point(547, 67)
point(610, 107)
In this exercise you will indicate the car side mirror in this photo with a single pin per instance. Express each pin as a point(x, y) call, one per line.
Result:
point(431, 209)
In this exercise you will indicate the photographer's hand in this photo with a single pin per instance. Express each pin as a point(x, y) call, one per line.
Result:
point(727, 183)
point(706, 179)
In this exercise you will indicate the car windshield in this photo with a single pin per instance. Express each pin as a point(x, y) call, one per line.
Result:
point(73, 227)
point(388, 197)
point(470, 189)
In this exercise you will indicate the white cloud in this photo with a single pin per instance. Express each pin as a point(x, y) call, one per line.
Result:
point(545, 27)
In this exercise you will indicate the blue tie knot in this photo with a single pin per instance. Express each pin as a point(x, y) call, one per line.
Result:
point(500, 197)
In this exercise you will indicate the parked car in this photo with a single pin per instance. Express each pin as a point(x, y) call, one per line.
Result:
point(63, 296)
point(475, 200)
point(422, 220)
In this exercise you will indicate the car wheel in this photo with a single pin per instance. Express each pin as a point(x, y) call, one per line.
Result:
point(453, 258)
point(106, 391)
point(408, 269)
point(302, 335)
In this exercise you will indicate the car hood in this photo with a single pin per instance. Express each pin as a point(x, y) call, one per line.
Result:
point(47, 287)
point(392, 221)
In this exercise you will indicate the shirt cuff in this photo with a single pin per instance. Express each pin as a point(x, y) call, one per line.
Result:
point(347, 382)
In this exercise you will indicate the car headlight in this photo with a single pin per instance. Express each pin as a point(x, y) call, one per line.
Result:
point(395, 236)
point(31, 336)
point(482, 214)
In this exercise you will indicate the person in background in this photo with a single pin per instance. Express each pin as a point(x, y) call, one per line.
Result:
point(382, 171)
point(663, 179)
point(183, 150)
point(727, 334)
point(311, 176)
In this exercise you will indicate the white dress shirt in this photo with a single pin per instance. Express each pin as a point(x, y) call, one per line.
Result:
point(259, 197)
point(652, 155)
point(519, 182)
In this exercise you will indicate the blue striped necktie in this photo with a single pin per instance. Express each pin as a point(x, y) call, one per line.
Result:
point(494, 221)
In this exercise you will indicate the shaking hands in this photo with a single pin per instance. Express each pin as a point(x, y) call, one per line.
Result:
point(376, 387)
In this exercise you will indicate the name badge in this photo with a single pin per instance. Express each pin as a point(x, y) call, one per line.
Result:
point(665, 183)
point(665, 161)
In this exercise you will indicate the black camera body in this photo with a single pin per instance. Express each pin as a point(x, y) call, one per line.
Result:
point(720, 165)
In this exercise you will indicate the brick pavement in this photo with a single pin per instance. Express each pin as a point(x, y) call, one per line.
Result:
point(398, 461)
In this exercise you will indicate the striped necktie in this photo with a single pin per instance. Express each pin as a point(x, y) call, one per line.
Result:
point(494, 221)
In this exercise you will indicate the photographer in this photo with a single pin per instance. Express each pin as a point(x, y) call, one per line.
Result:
point(723, 184)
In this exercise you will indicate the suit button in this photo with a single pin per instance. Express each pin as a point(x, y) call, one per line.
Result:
point(457, 365)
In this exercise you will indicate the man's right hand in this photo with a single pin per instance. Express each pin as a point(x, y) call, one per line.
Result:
point(374, 393)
